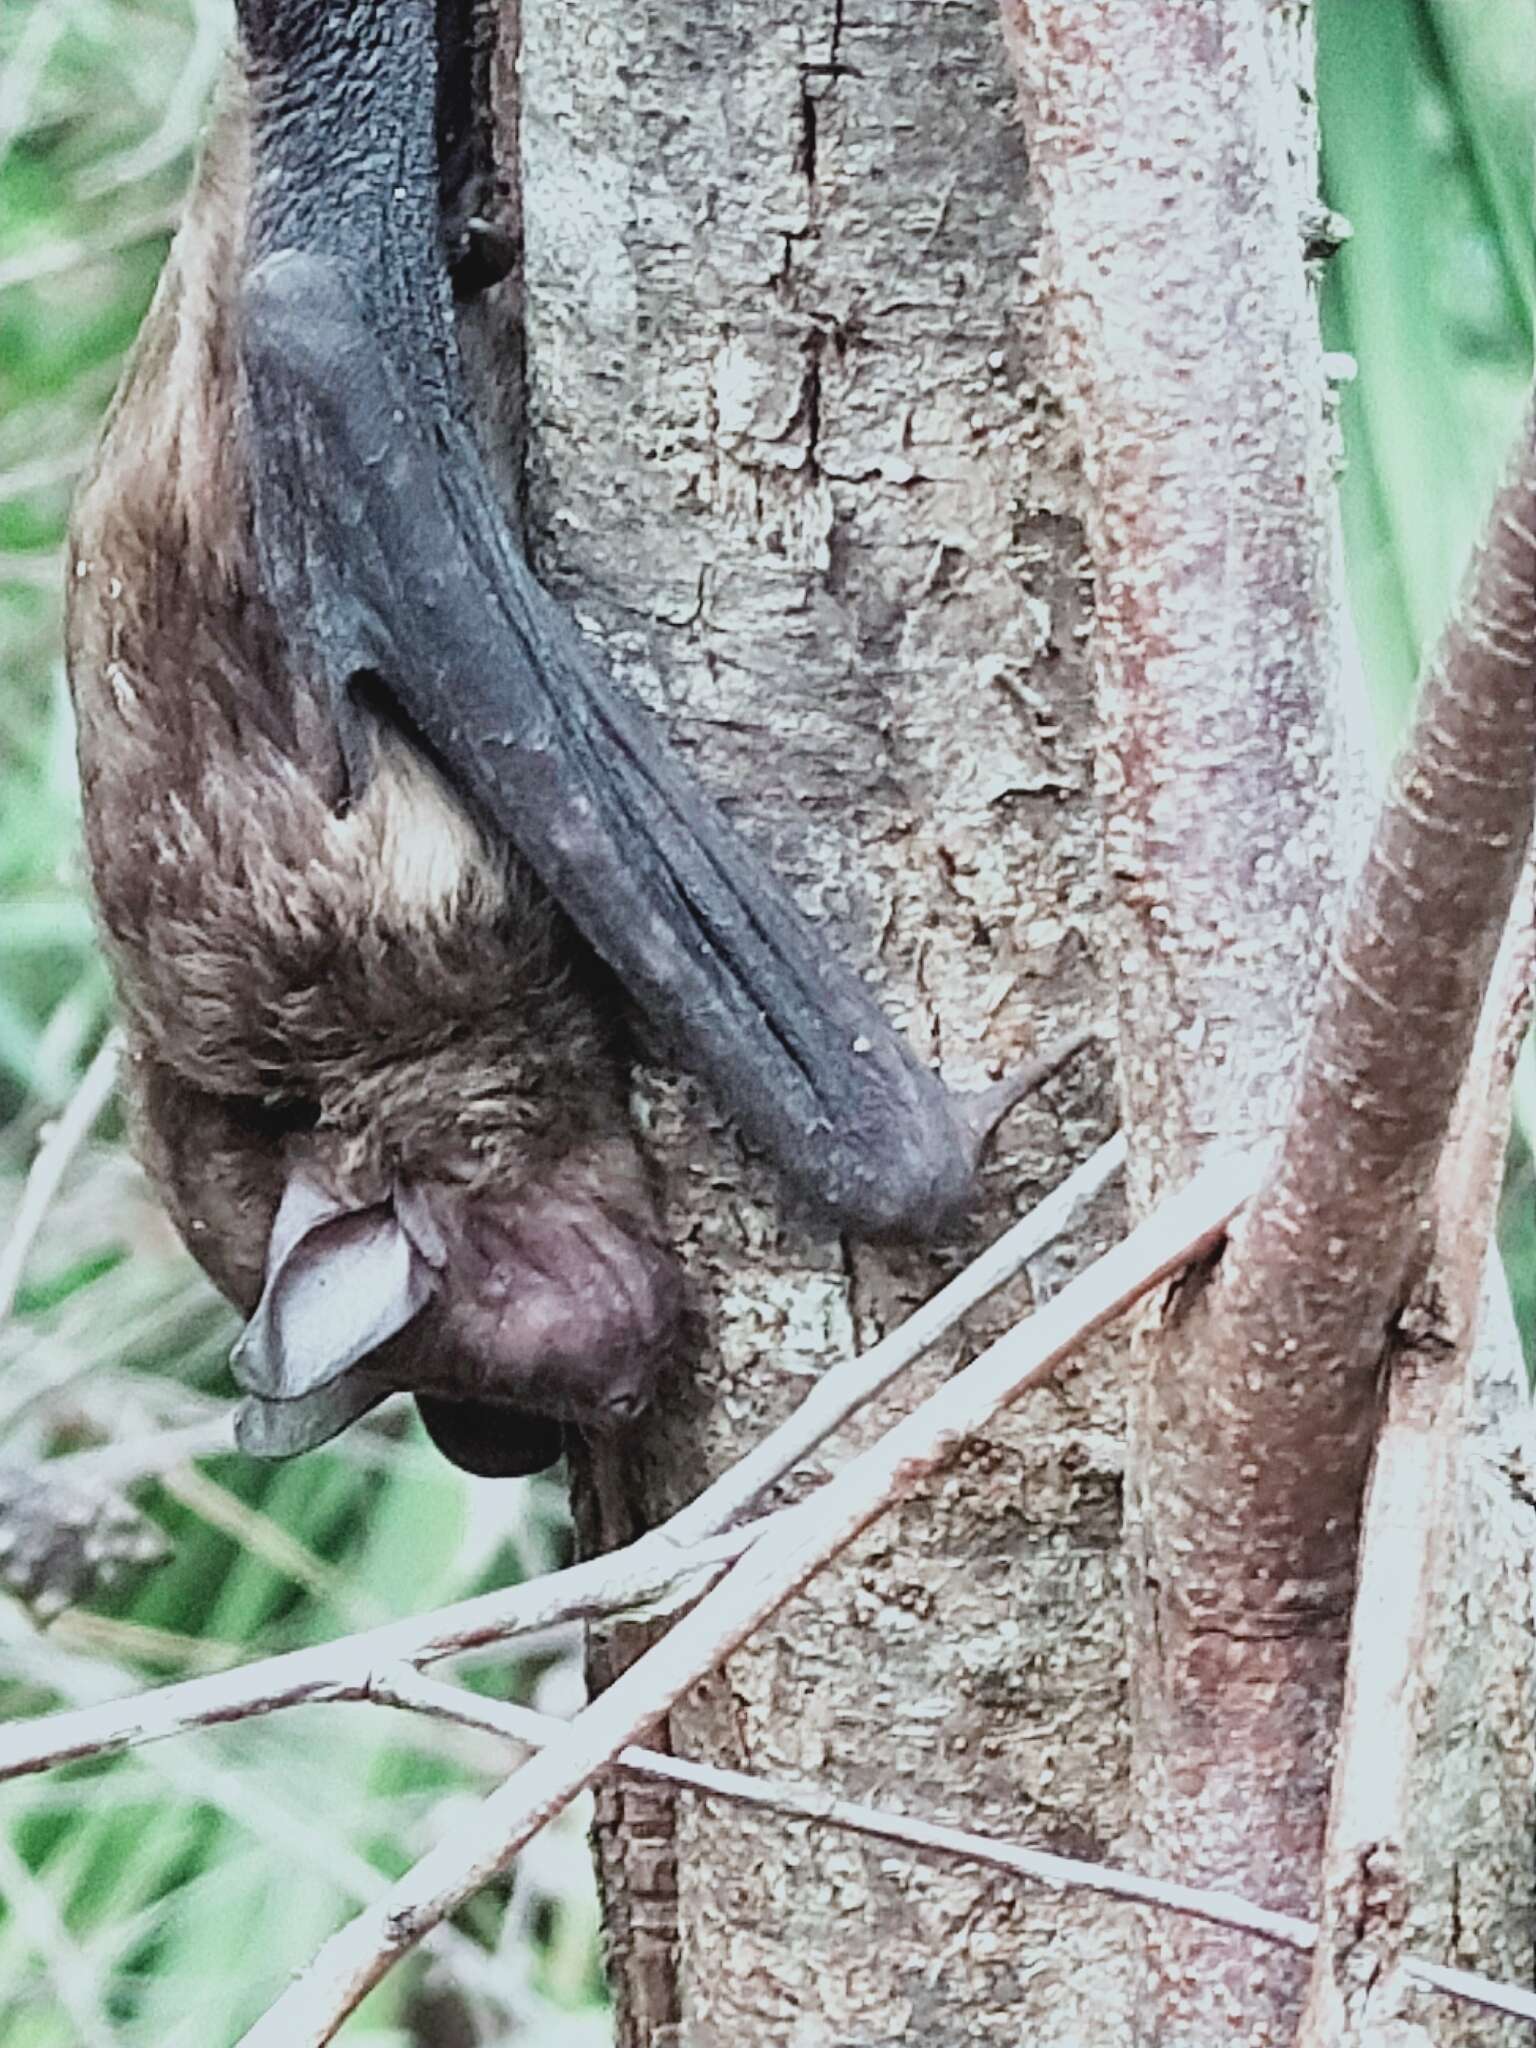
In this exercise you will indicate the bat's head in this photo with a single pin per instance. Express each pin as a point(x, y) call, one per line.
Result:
point(511, 1309)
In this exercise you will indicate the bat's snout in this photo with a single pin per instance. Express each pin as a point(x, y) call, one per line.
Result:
point(557, 1302)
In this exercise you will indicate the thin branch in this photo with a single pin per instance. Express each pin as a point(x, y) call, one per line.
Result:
point(805, 1537)
point(855, 1381)
point(290, 1835)
point(61, 1141)
point(667, 1563)
point(407, 1689)
point(382, 1669)
point(642, 1576)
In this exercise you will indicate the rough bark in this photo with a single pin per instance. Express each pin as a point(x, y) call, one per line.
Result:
point(1174, 143)
point(1170, 140)
point(796, 459)
point(793, 461)
point(1404, 1851)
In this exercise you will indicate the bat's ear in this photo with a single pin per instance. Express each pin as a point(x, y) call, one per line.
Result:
point(282, 1429)
point(340, 1281)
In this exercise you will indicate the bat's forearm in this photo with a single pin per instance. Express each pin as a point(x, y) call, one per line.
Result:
point(345, 154)
point(384, 535)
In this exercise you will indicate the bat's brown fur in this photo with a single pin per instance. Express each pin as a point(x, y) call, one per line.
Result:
point(367, 989)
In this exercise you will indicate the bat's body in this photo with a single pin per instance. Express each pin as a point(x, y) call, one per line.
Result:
point(381, 854)
point(322, 962)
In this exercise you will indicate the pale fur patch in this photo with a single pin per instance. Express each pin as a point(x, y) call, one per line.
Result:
point(427, 859)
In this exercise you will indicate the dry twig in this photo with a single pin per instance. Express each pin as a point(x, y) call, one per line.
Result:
point(672, 1561)
point(848, 1386)
point(634, 1578)
point(805, 1537)
point(408, 1689)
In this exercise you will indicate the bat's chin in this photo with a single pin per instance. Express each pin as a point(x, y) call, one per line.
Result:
point(499, 1439)
point(532, 1388)
point(490, 1439)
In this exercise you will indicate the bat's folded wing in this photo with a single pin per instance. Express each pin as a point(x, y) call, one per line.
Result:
point(378, 527)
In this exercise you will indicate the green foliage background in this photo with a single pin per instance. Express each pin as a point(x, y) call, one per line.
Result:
point(162, 1900)
point(1429, 119)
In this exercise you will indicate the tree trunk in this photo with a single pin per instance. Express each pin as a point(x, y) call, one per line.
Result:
point(795, 459)
point(792, 461)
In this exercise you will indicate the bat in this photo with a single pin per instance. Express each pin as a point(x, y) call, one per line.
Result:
point(386, 863)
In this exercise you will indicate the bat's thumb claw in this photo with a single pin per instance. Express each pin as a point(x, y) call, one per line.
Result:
point(982, 1112)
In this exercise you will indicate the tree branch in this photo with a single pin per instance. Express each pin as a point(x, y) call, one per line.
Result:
point(670, 1560)
point(1407, 1544)
point(1257, 1523)
point(805, 1537)
point(641, 1576)
point(1173, 144)
point(1323, 1258)
point(405, 1688)
point(1168, 143)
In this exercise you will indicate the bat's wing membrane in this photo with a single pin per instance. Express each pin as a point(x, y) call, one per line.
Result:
point(377, 522)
